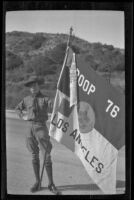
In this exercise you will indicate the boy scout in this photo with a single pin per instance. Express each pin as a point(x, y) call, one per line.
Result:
point(37, 137)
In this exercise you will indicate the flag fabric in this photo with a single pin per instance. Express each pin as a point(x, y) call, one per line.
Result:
point(89, 118)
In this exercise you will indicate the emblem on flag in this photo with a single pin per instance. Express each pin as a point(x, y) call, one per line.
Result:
point(86, 117)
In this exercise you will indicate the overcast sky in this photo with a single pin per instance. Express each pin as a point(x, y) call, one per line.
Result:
point(106, 27)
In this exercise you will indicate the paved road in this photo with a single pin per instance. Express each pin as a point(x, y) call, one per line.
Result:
point(69, 173)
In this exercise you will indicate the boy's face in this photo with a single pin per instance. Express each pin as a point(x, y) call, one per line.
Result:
point(34, 88)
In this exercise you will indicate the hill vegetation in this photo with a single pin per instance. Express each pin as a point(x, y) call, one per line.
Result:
point(43, 54)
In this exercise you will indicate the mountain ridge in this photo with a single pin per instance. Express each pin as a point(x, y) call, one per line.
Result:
point(43, 54)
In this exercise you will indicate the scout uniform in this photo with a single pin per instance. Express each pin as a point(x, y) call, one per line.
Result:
point(37, 135)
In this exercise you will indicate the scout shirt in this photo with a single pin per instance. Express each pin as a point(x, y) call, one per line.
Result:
point(36, 106)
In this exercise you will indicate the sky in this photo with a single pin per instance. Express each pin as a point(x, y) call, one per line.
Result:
point(106, 27)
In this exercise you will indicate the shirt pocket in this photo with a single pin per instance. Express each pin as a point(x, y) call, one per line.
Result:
point(30, 104)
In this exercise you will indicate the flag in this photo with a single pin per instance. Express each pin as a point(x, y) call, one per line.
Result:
point(89, 118)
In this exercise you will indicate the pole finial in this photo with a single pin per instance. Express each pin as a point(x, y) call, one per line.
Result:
point(71, 30)
point(69, 38)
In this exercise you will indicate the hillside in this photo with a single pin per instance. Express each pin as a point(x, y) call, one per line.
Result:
point(43, 54)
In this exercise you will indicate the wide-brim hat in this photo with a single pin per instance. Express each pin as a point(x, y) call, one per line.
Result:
point(33, 79)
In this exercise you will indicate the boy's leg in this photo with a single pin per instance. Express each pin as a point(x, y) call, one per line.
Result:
point(46, 147)
point(32, 146)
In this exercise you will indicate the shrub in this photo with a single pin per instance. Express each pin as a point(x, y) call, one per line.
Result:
point(97, 45)
point(109, 47)
point(90, 59)
point(76, 49)
point(15, 75)
point(13, 61)
point(120, 67)
point(37, 41)
point(14, 94)
point(58, 53)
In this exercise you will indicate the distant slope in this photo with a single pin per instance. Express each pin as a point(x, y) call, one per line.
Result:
point(43, 54)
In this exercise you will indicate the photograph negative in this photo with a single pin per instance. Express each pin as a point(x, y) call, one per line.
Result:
point(65, 102)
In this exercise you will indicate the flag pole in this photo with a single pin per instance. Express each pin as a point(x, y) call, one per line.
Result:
point(68, 43)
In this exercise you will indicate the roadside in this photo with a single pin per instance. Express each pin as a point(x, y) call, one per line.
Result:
point(12, 114)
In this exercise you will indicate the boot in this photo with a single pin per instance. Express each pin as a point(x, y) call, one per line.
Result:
point(53, 189)
point(51, 185)
point(36, 169)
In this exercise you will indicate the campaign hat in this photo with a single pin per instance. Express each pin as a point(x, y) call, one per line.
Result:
point(31, 80)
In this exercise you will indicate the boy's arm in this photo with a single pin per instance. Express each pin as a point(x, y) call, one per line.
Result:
point(50, 104)
point(20, 108)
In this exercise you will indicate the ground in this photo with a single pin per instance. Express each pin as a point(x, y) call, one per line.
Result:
point(69, 174)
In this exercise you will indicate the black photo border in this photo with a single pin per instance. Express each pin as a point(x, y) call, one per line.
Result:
point(127, 7)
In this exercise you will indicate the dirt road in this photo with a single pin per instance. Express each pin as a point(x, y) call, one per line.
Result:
point(69, 174)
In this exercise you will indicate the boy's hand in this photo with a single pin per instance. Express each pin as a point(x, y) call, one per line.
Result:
point(23, 116)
